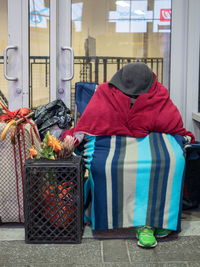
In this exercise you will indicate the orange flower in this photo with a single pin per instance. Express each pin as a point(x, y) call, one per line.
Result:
point(64, 191)
point(51, 140)
point(54, 143)
point(32, 151)
point(60, 187)
point(57, 146)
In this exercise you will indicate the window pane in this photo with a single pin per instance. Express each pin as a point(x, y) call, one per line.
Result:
point(108, 34)
point(39, 52)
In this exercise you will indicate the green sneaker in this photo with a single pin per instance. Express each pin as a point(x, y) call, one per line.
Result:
point(146, 238)
point(159, 232)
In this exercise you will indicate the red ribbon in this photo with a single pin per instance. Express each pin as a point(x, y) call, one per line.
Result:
point(11, 115)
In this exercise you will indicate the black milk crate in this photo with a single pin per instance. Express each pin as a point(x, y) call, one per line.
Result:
point(53, 200)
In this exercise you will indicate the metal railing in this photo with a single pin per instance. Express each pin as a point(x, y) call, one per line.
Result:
point(87, 69)
point(101, 69)
point(39, 60)
point(96, 69)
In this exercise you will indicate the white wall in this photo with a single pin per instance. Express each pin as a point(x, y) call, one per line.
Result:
point(184, 82)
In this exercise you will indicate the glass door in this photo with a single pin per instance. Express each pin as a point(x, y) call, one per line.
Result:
point(14, 53)
point(61, 53)
point(89, 40)
point(51, 56)
point(36, 59)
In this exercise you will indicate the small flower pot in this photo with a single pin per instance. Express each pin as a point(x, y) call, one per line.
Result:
point(53, 193)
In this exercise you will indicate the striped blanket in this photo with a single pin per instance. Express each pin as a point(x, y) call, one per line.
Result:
point(134, 182)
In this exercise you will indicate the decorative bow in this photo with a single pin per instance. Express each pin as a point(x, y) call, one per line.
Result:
point(13, 115)
point(13, 118)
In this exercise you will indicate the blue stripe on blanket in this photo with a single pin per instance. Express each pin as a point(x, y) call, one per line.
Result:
point(155, 179)
point(164, 183)
point(114, 175)
point(135, 182)
point(99, 177)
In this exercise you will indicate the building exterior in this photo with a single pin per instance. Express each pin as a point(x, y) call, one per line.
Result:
point(50, 45)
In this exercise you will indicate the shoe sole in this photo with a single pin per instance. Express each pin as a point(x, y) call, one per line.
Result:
point(143, 246)
point(161, 236)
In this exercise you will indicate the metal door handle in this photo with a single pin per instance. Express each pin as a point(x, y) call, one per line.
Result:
point(5, 63)
point(72, 63)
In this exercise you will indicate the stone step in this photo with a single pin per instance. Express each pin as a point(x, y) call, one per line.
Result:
point(189, 228)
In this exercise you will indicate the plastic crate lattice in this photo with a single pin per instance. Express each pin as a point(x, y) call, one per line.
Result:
point(53, 201)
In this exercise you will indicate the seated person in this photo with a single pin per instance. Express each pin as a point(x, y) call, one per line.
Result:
point(134, 104)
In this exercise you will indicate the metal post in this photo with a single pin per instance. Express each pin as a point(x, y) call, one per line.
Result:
point(105, 70)
point(96, 70)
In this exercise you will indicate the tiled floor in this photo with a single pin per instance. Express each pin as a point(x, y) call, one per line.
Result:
point(113, 249)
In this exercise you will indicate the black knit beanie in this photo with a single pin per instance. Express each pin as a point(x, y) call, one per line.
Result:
point(133, 79)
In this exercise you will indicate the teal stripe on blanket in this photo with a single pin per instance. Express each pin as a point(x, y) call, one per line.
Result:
point(142, 181)
point(176, 184)
point(89, 150)
point(89, 184)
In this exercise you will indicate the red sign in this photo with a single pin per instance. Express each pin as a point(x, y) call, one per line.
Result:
point(165, 14)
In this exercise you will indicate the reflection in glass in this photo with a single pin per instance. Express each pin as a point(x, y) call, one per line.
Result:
point(112, 33)
point(77, 15)
point(39, 52)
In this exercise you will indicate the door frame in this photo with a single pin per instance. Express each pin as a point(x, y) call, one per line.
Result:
point(17, 52)
point(184, 72)
point(17, 63)
point(61, 54)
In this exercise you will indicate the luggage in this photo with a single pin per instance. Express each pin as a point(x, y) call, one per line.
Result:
point(13, 153)
point(191, 193)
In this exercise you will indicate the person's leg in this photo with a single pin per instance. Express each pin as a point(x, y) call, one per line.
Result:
point(145, 236)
